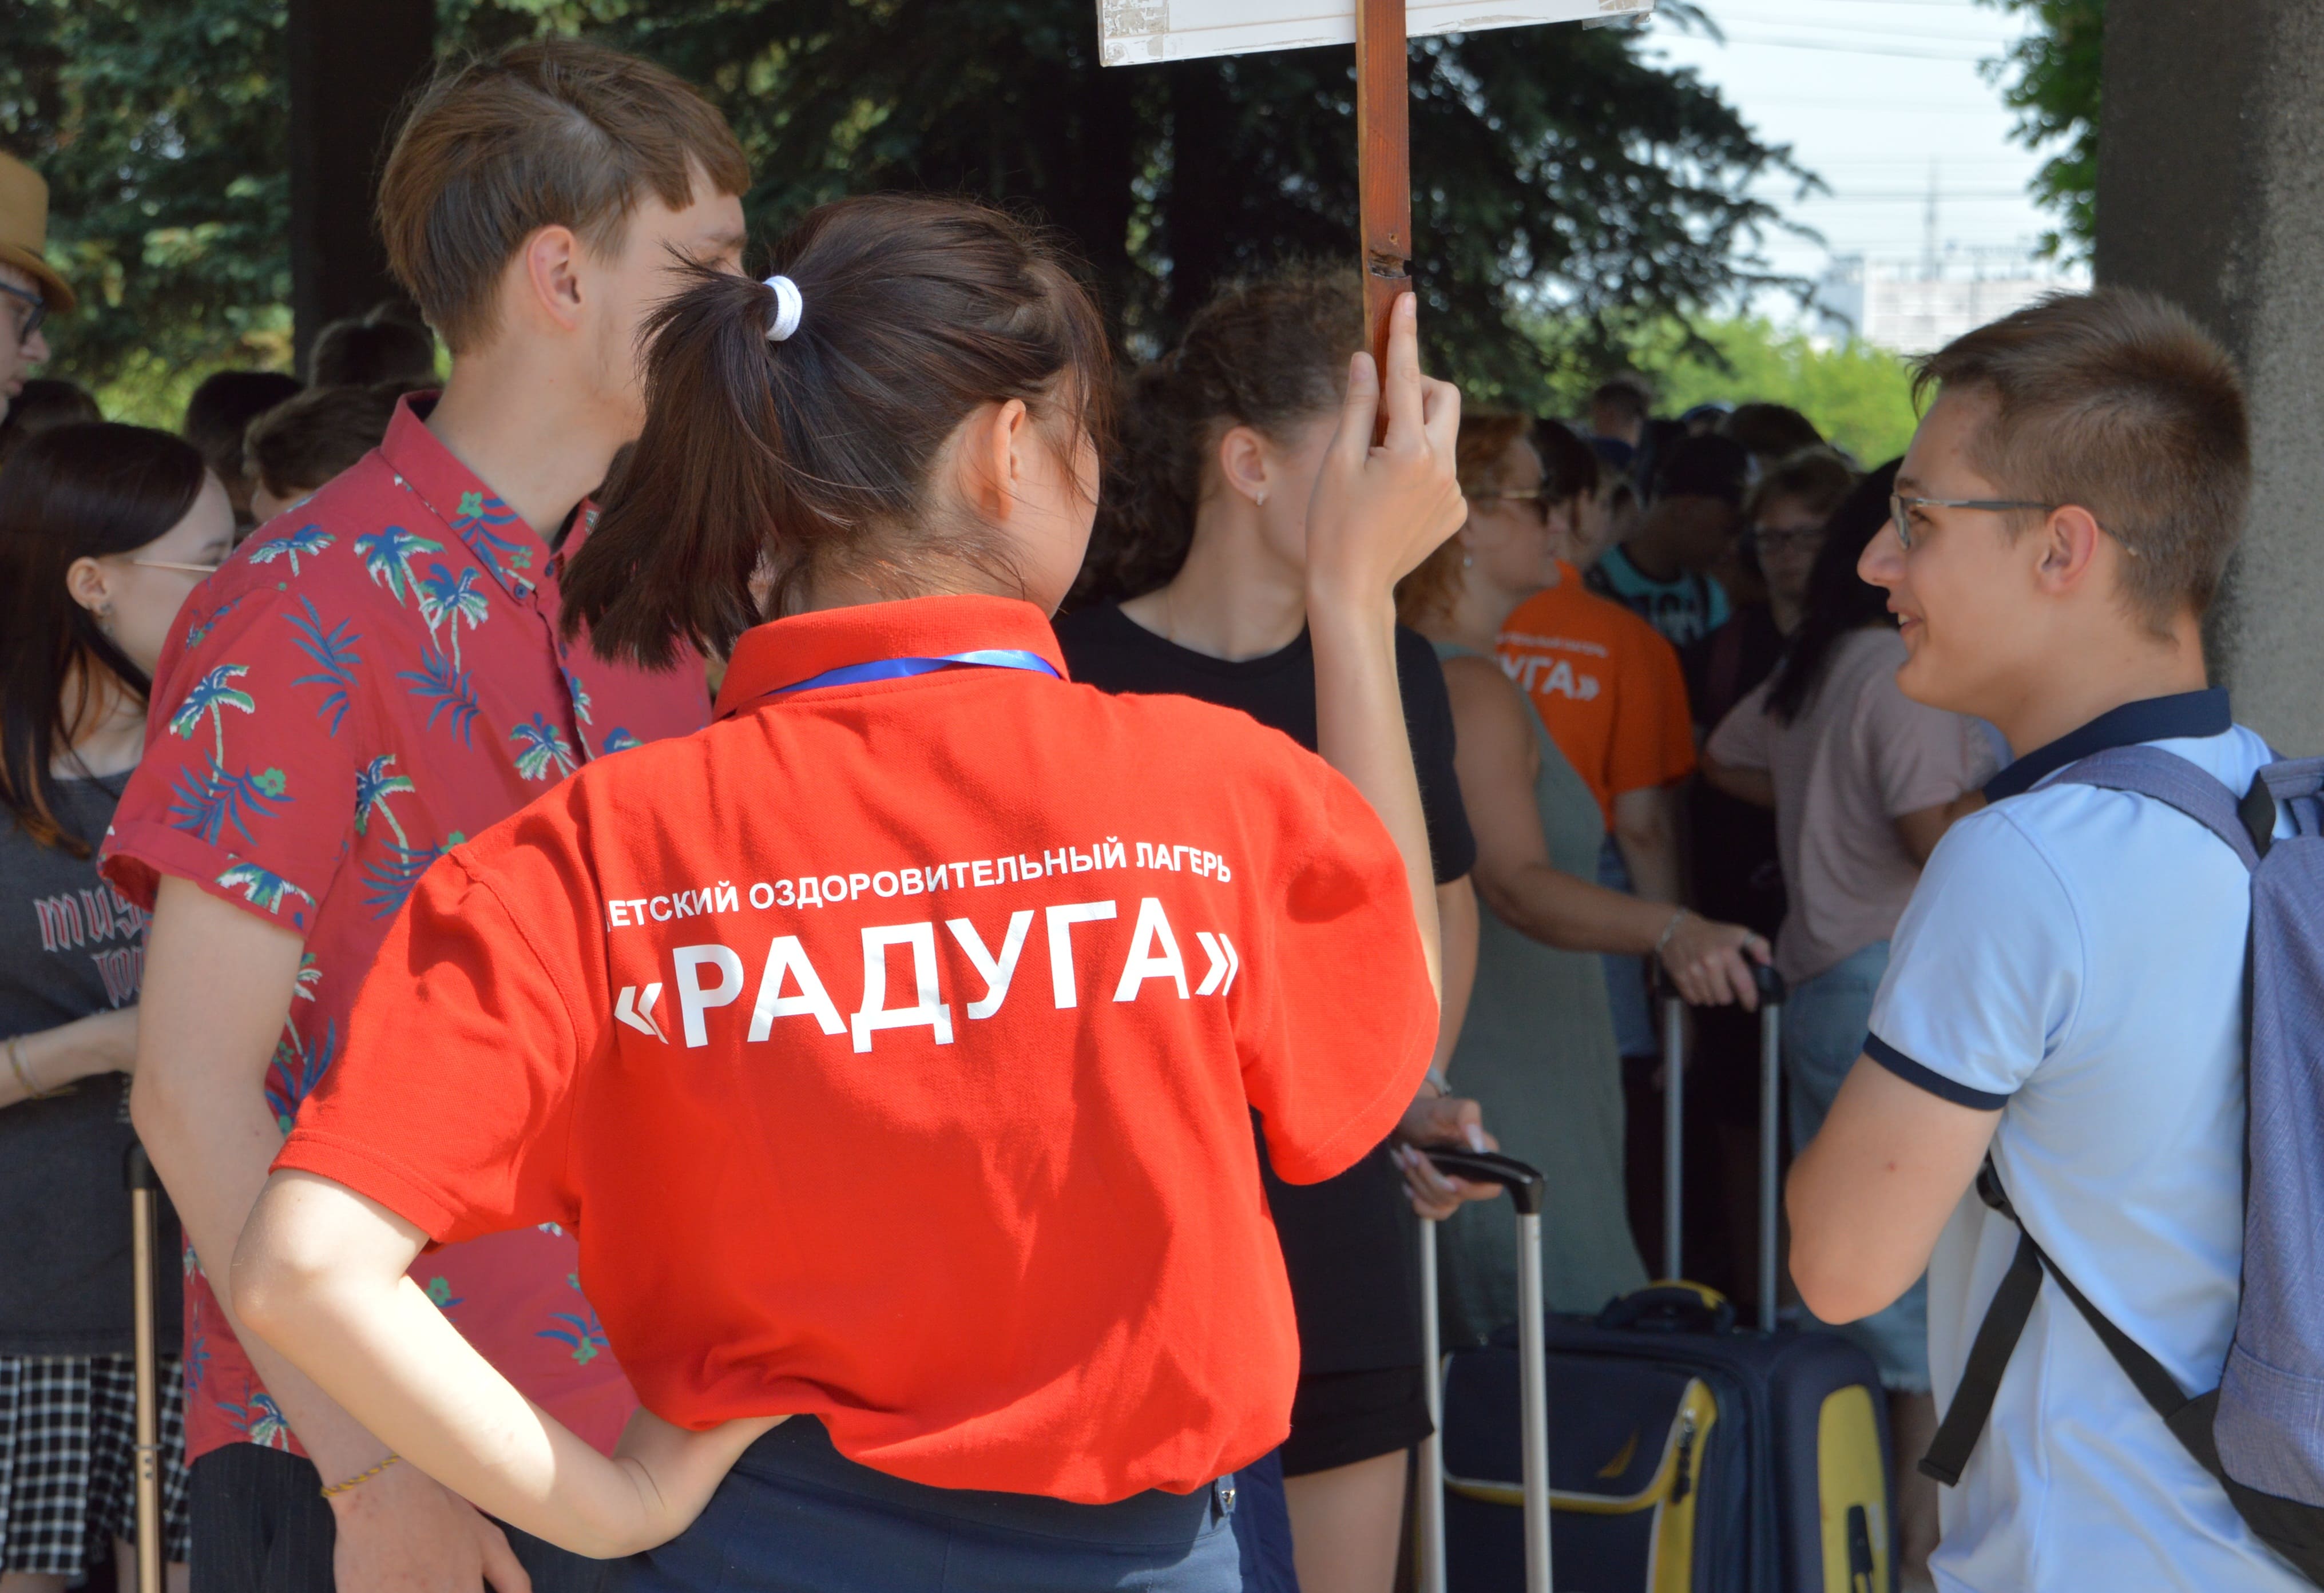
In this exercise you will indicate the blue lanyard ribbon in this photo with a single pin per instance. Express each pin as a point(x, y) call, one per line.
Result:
point(904, 669)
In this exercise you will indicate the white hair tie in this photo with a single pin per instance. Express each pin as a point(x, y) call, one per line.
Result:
point(789, 307)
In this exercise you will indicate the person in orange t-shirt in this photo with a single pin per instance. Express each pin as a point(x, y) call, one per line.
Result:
point(891, 1046)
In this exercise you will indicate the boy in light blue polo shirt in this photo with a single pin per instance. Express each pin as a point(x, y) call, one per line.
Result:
point(2066, 989)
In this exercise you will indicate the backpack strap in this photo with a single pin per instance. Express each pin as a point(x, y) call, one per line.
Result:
point(2246, 827)
point(2188, 1420)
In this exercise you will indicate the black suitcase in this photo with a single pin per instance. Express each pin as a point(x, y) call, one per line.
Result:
point(1685, 1454)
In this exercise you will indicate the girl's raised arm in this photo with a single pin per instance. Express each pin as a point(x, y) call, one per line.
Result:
point(1377, 512)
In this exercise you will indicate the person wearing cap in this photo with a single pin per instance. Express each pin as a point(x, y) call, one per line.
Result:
point(31, 289)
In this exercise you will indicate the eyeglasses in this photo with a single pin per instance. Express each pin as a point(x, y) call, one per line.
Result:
point(1900, 508)
point(170, 564)
point(1539, 503)
point(32, 316)
point(1782, 538)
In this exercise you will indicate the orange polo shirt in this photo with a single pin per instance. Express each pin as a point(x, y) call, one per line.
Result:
point(891, 1049)
point(1608, 687)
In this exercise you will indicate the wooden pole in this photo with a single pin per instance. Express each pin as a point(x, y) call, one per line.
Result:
point(1383, 164)
point(138, 1174)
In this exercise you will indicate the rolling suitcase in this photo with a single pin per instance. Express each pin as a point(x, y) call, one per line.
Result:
point(1685, 1454)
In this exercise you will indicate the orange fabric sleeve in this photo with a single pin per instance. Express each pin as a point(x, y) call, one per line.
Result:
point(452, 1104)
point(1333, 1055)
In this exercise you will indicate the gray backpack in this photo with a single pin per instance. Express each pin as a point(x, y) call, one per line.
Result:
point(2261, 1432)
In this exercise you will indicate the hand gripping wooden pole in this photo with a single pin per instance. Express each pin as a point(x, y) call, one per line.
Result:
point(1383, 166)
point(144, 1187)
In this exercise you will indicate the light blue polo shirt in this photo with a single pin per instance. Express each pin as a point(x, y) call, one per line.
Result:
point(2074, 958)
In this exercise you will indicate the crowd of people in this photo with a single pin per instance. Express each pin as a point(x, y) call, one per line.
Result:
point(366, 741)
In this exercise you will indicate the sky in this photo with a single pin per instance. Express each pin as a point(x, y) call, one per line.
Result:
point(1879, 98)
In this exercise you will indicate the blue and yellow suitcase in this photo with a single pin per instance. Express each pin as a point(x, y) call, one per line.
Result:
point(1684, 1454)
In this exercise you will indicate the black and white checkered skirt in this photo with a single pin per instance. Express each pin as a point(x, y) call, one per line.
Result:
point(69, 1459)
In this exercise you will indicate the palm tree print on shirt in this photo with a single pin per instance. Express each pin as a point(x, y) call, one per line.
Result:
point(538, 745)
point(374, 786)
point(387, 554)
point(391, 877)
point(296, 1069)
point(444, 596)
point(335, 655)
point(213, 692)
point(583, 1334)
point(261, 887)
point(445, 688)
point(259, 1419)
point(580, 696)
point(309, 539)
point(222, 799)
point(479, 520)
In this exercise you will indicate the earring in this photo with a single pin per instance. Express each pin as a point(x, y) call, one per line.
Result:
point(1259, 499)
point(1467, 561)
point(104, 618)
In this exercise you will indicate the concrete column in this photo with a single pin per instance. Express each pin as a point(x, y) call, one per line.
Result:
point(351, 64)
point(2211, 192)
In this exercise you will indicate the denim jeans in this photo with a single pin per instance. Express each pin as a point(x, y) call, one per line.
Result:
point(1824, 1024)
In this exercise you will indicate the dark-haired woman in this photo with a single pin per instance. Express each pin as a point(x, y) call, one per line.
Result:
point(890, 1044)
point(103, 530)
point(1864, 782)
point(1204, 531)
point(1538, 1049)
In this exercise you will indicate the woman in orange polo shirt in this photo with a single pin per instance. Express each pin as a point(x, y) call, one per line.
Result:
point(891, 1045)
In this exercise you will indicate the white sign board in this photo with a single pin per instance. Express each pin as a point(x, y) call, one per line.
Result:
point(1133, 31)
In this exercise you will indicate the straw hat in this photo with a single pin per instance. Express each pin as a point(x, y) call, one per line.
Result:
point(24, 230)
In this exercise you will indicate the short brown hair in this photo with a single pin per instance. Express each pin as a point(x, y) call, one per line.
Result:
point(2118, 402)
point(547, 133)
point(778, 465)
point(303, 442)
point(1816, 478)
point(1484, 443)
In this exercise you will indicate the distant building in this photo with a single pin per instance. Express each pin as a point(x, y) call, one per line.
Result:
point(1914, 304)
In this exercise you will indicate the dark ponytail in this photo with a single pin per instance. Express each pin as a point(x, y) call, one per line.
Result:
point(1839, 600)
point(1268, 354)
point(780, 465)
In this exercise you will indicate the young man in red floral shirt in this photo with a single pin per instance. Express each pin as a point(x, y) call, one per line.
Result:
point(375, 675)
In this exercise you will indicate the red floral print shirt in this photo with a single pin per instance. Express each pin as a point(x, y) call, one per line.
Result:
point(374, 677)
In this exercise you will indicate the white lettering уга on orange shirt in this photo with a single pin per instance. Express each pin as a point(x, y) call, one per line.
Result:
point(892, 1049)
point(1608, 687)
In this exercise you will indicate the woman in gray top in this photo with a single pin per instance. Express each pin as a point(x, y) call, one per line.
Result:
point(103, 532)
point(1537, 1048)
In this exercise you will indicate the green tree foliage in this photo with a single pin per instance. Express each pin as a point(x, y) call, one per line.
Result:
point(158, 125)
point(1559, 172)
point(1554, 168)
point(2051, 79)
point(1859, 395)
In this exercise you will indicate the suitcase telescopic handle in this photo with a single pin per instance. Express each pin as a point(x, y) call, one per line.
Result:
point(1527, 1188)
point(1524, 1184)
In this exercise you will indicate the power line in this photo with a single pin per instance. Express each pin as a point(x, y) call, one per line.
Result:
point(1782, 20)
point(1894, 51)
